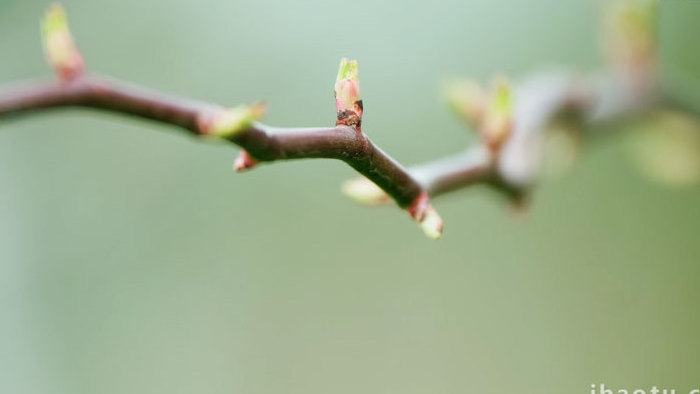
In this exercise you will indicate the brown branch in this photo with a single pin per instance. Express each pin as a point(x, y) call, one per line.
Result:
point(539, 100)
point(511, 123)
point(441, 176)
point(263, 142)
point(101, 93)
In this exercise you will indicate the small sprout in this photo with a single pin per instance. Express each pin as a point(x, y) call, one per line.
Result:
point(422, 211)
point(432, 224)
point(490, 112)
point(59, 48)
point(498, 117)
point(231, 122)
point(244, 161)
point(347, 95)
point(631, 32)
point(364, 191)
point(466, 99)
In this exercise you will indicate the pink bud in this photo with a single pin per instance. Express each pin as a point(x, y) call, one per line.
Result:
point(244, 161)
point(347, 95)
point(59, 48)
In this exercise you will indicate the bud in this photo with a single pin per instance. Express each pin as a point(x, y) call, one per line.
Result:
point(498, 116)
point(347, 95)
point(230, 122)
point(466, 99)
point(59, 48)
point(364, 191)
point(244, 161)
point(631, 33)
point(423, 212)
point(432, 223)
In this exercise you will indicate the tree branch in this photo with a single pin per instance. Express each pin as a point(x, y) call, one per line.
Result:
point(539, 100)
point(264, 143)
point(510, 122)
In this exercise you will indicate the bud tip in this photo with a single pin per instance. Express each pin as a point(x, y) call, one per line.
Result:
point(432, 224)
point(423, 212)
point(244, 162)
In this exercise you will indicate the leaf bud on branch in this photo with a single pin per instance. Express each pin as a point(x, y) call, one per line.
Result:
point(59, 48)
point(347, 95)
point(422, 211)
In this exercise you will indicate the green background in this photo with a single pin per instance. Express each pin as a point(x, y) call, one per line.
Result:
point(134, 260)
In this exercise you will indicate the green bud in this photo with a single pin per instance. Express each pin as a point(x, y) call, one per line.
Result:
point(235, 120)
point(364, 191)
point(466, 99)
point(347, 94)
point(631, 32)
point(432, 224)
point(422, 211)
point(59, 48)
point(498, 117)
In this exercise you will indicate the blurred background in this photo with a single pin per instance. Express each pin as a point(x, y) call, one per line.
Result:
point(134, 260)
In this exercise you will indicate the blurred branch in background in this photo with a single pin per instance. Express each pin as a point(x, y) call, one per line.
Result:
point(515, 124)
point(540, 123)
